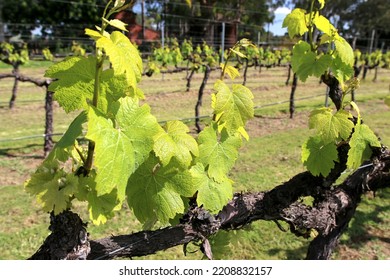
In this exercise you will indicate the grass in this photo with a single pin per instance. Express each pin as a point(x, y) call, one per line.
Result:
point(271, 157)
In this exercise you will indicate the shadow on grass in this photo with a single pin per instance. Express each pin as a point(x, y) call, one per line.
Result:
point(24, 152)
point(291, 254)
point(367, 236)
point(368, 225)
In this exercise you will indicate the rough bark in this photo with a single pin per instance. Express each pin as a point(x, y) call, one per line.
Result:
point(48, 143)
point(330, 214)
point(15, 72)
point(292, 95)
point(68, 240)
point(200, 96)
point(289, 69)
point(245, 70)
point(188, 78)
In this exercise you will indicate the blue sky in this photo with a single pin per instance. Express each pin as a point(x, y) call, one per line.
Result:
point(280, 14)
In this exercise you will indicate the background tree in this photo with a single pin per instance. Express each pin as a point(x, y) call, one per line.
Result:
point(202, 20)
point(357, 19)
point(56, 18)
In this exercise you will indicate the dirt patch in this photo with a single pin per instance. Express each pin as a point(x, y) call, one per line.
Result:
point(16, 168)
point(263, 125)
point(373, 245)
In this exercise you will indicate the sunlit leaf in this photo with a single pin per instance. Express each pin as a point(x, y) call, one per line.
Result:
point(331, 127)
point(319, 157)
point(295, 23)
point(360, 144)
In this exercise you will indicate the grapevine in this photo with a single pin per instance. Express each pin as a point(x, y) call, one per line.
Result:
point(129, 156)
point(335, 68)
point(15, 56)
point(168, 177)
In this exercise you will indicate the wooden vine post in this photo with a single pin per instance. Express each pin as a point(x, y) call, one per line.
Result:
point(49, 117)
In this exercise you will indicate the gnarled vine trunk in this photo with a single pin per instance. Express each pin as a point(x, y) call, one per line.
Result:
point(329, 216)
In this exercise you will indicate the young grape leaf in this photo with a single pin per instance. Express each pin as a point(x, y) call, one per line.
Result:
point(75, 82)
point(139, 125)
point(360, 145)
point(218, 156)
point(117, 24)
point(324, 25)
point(237, 52)
point(174, 141)
point(331, 126)
point(295, 23)
point(231, 71)
point(322, 3)
point(211, 194)
point(319, 157)
point(344, 51)
point(154, 191)
point(52, 186)
point(114, 154)
point(232, 108)
point(119, 3)
point(120, 51)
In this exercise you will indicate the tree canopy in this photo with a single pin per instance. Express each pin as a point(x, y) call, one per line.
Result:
point(55, 17)
point(202, 20)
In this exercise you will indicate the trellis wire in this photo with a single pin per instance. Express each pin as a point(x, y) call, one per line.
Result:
point(188, 119)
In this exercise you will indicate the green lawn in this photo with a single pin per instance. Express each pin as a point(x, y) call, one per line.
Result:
point(270, 158)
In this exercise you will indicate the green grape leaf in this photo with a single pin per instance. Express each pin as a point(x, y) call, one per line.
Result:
point(341, 71)
point(295, 23)
point(139, 125)
point(211, 194)
point(112, 87)
point(300, 49)
point(102, 207)
point(120, 52)
point(319, 157)
point(324, 25)
point(232, 108)
point(75, 82)
point(154, 191)
point(306, 63)
point(344, 51)
point(331, 127)
point(114, 154)
point(62, 149)
point(218, 155)
point(360, 144)
point(175, 141)
point(318, 67)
